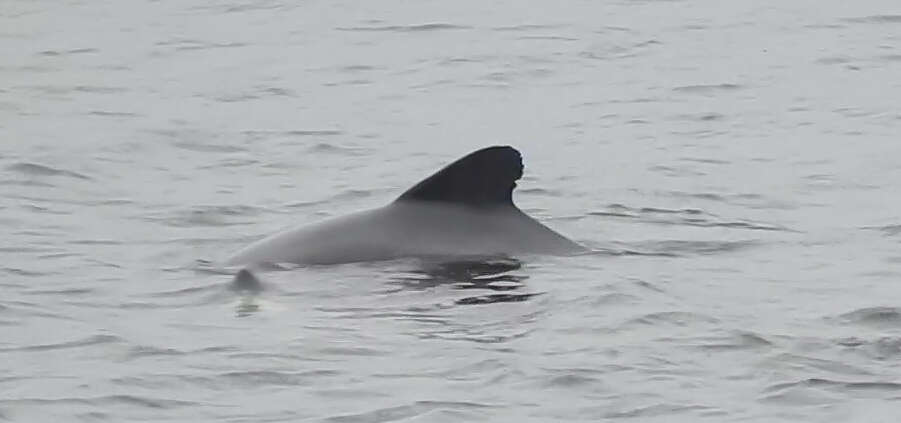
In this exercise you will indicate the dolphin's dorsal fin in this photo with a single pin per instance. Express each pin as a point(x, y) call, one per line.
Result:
point(484, 178)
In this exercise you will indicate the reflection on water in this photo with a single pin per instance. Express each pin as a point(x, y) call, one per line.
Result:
point(489, 273)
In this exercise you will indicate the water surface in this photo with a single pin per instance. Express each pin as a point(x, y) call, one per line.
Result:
point(734, 165)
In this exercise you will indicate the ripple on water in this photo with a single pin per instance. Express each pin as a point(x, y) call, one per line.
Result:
point(462, 410)
point(879, 317)
point(39, 170)
point(882, 348)
point(247, 379)
point(708, 88)
point(670, 318)
point(656, 410)
point(680, 248)
point(734, 341)
point(495, 298)
point(78, 343)
point(527, 27)
point(54, 53)
point(681, 217)
point(815, 391)
point(327, 148)
point(875, 19)
point(219, 215)
point(428, 27)
point(618, 50)
point(887, 230)
point(805, 364)
point(573, 378)
point(200, 147)
point(105, 401)
point(346, 195)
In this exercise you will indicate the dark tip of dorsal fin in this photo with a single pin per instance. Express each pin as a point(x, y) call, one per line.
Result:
point(482, 178)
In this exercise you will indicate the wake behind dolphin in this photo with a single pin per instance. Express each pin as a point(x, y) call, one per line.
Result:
point(464, 209)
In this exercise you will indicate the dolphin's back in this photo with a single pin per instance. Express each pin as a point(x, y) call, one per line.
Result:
point(466, 208)
point(355, 237)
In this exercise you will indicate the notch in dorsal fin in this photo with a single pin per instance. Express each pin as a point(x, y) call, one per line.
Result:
point(484, 178)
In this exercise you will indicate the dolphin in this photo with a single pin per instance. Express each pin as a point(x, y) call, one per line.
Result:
point(464, 210)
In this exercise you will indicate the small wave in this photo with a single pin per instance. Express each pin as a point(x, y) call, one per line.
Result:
point(629, 252)
point(874, 316)
point(796, 362)
point(547, 38)
point(454, 61)
point(105, 401)
point(735, 341)
point(890, 57)
point(22, 272)
point(541, 191)
point(38, 209)
point(254, 94)
point(207, 148)
point(875, 19)
point(26, 183)
point(259, 134)
point(406, 412)
point(207, 216)
point(702, 117)
point(148, 351)
point(700, 195)
point(834, 60)
point(91, 340)
point(199, 45)
point(428, 27)
point(495, 298)
point(349, 82)
point(107, 113)
point(475, 336)
point(705, 160)
point(708, 88)
point(610, 50)
point(34, 169)
point(836, 385)
point(570, 380)
point(255, 378)
point(54, 53)
point(90, 89)
point(351, 194)
point(67, 292)
point(94, 242)
point(656, 410)
point(702, 247)
point(231, 163)
point(357, 68)
point(141, 351)
point(97, 89)
point(677, 248)
point(883, 348)
point(214, 287)
point(325, 148)
point(677, 318)
point(525, 27)
point(887, 230)
point(351, 351)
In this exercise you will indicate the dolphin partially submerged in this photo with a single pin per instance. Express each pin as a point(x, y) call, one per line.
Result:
point(465, 209)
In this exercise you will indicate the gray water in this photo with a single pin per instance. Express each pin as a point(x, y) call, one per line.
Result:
point(735, 166)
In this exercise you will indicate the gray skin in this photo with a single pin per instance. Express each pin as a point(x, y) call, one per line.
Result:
point(409, 229)
point(465, 209)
